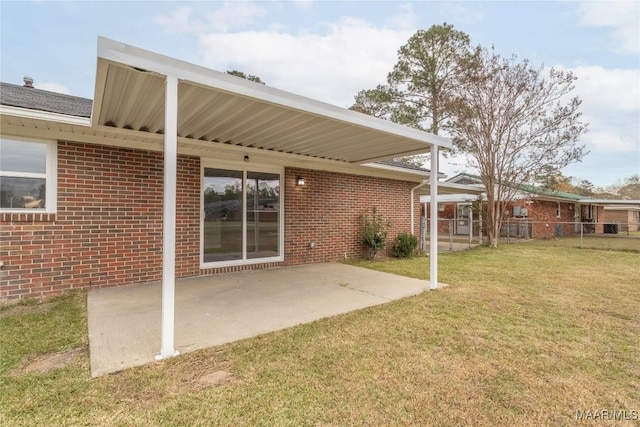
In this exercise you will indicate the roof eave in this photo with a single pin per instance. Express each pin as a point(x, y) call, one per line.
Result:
point(27, 113)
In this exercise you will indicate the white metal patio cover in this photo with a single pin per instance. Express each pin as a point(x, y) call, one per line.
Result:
point(150, 93)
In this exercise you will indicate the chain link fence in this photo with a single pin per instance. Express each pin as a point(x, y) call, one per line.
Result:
point(454, 234)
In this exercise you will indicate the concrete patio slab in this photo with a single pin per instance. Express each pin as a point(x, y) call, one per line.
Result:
point(124, 322)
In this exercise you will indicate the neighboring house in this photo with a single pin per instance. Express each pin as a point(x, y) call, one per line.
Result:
point(534, 213)
point(624, 214)
point(238, 175)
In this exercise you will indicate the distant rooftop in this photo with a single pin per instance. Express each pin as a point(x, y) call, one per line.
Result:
point(467, 178)
point(43, 100)
point(401, 164)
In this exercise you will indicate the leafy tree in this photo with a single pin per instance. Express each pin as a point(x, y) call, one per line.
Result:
point(242, 75)
point(420, 90)
point(515, 123)
point(552, 179)
point(583, 187)
point(378, 102)
point(629, 189)
point(426, 77)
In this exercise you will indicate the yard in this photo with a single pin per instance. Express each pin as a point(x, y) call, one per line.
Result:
point(528, 334)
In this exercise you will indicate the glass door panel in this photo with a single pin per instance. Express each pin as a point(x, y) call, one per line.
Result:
point(222, 230)
point(263, 215)
point(463, 219)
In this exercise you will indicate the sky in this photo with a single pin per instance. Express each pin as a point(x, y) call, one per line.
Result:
point(330, 50)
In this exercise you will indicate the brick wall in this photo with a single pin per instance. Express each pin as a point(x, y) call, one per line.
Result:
point(108, 227)
point(627, 220)
point(544, 216)
point(325, 211)
point(445, 217)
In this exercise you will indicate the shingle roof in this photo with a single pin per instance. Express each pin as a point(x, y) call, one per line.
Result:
point(528, 188)
point(43, 100)
point(552, 193)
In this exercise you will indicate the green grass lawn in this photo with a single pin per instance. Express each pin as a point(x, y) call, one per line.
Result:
point(617, 242)
point(526, 334)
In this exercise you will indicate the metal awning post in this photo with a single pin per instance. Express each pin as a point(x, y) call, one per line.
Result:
point(433, 237)
point(169, 218)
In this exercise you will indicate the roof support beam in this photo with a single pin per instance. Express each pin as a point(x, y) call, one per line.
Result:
point(169, 218)
point(433, 236)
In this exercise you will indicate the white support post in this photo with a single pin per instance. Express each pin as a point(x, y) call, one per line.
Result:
point(411, 210)
point(470, 226)
point(433, 236)
point(413, 194)
point(169, 218)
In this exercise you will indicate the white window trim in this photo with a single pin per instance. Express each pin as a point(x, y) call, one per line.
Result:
point(244, 168)
point(50, 176)
point(558, 210)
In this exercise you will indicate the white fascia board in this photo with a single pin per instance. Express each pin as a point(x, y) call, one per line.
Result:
point(621, 208)
point(472, 189)
point(397, 169)
point(448, 188)
point(26, 113)
point(456, 190)
point(450, 198)
point(609, 202)
point(150, 61)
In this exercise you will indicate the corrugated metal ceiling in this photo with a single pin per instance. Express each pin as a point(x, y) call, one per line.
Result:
point(134, 99)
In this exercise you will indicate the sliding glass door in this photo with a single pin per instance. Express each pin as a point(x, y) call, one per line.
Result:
point(242, 219)
point(263, 214)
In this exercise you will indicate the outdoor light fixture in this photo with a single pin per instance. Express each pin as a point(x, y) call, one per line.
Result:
point(300, 181)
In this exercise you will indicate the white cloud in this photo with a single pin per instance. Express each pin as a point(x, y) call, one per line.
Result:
point(608, 90)
point(405, 19)
point(463, 13)
point(611, 106)
point(303, 4)
point(622, 17)
point(53, 87)
point(611, 141)
point(351, 55)
point(234, 15)
point(180, 21)
point(225, 17)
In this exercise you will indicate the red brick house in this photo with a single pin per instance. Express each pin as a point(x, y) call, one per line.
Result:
point(174, 170)
point(624, 214)
point(535, 212)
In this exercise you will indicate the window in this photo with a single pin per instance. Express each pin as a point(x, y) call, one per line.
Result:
point(558, 210)
point(242, 219)
point(27, 176)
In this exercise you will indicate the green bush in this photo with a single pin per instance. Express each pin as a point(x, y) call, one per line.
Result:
point(374, 229)
point(405, 245)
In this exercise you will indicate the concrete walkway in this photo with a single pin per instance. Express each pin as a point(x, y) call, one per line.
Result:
point(124, 322)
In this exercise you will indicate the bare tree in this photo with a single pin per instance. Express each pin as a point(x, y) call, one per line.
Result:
point(515, 123)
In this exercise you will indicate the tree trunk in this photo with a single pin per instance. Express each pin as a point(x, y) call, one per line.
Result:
point(493, 224)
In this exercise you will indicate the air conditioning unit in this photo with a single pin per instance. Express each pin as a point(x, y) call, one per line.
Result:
point(517, 211)
point(524, 212)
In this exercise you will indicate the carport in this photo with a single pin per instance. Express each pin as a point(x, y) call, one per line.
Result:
point(150, 100)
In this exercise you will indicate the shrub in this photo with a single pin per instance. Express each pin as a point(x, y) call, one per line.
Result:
point(405, 245)
point(374, 228)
